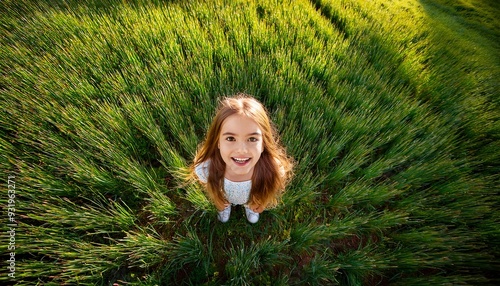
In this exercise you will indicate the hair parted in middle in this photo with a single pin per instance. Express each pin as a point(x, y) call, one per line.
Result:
point(272, 171)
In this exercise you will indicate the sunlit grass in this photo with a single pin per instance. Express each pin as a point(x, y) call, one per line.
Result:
point(390, 110)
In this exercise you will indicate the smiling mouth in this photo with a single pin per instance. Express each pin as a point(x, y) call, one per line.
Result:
point(240, 160)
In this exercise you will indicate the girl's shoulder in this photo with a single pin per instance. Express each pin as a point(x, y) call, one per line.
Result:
point(201, 170)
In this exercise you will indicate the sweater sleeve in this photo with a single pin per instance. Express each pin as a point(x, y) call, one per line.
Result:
point(201, 171)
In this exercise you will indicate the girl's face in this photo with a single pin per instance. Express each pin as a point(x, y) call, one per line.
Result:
point(240, 145)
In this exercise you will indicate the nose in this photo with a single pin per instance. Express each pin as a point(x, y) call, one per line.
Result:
point(242, 147)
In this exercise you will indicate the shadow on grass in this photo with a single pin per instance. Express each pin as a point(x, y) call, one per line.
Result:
point(466, 45)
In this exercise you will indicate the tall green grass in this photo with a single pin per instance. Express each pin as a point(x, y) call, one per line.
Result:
point(389, 108)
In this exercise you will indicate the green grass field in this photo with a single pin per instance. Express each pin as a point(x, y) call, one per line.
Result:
point(390, 109)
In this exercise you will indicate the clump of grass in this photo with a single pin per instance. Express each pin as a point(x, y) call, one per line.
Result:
point(320, 271)
point(251, 264)
point(189, 257)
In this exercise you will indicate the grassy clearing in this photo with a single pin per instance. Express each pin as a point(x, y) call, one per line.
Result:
point(389, 107)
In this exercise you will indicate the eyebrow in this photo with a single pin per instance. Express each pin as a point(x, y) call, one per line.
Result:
point(232, 134)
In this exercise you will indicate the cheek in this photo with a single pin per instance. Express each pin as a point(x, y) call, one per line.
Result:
point(259, 149)
point(223, 150)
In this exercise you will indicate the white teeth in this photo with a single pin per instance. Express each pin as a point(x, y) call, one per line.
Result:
point(241, 160)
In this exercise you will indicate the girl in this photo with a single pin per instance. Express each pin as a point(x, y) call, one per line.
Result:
point(240, 162)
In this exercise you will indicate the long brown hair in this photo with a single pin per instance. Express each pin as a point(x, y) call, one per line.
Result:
point(271, 173)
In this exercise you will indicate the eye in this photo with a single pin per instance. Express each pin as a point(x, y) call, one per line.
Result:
point(230, 138)
point(253, 139)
